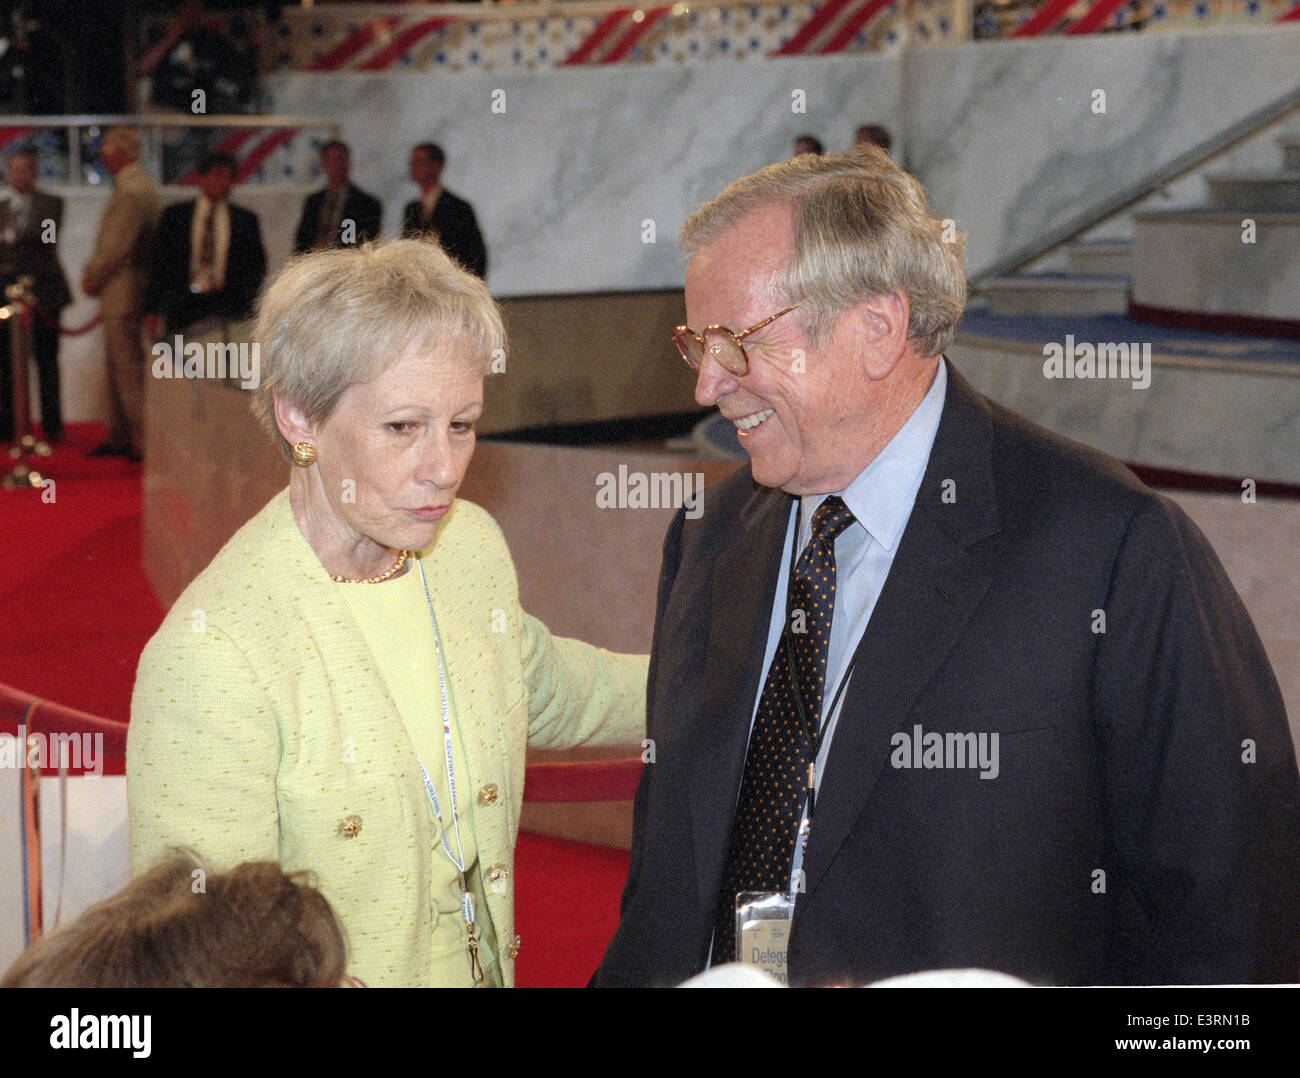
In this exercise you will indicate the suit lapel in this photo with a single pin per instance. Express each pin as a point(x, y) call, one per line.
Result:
point(743, 588)
point(933, 588)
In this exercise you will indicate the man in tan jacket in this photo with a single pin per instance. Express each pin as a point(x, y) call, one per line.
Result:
point(118, 273)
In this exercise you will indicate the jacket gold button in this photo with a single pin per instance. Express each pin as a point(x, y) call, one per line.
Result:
point(488, 795)
point(496, 877)
point(350, 826)
point(513, 950)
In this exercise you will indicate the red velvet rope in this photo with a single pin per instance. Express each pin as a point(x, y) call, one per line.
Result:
point(53, 323)
point(44, 717)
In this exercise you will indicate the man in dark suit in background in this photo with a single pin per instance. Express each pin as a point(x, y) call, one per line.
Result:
point(208, 260)
point(1010, 713)
point(29, 228)
point(438, 211)
point(342, 215)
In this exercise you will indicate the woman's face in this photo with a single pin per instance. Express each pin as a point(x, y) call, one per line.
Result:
point(392, 454)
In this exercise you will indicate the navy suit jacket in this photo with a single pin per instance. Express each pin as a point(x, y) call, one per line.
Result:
point(29, 254)
point(169, 282)
point(454, 225)
point(362, 209)
point(1144, 824)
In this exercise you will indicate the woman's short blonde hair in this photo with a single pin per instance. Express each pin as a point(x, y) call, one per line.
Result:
point(862, 228)
point(333, 319)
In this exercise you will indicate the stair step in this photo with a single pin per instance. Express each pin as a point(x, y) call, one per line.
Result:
point(1057, 293)
point(1254, 192)
point(1104, 258)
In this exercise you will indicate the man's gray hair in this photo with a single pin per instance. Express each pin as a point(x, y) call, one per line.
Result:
point(332, 319)
point(862, 228)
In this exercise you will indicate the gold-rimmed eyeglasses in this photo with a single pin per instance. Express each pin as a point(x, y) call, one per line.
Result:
point(722, 343)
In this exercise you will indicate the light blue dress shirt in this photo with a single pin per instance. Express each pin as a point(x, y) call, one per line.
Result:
point(881, 500)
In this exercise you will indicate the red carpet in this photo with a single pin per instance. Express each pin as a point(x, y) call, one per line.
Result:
point(75, 608)
point(76, 611)
point(566, 909)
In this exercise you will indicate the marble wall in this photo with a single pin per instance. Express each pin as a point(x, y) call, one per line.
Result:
point(571, 177)
point(1003, 134)
point(1198, 261)
point(1196, 415)
point(1007, 142)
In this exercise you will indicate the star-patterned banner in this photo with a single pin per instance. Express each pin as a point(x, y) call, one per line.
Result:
point(1036, 18)
point(496, 37)
point(472, 38)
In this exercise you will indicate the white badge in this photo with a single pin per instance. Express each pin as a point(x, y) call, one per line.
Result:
point(763, 931)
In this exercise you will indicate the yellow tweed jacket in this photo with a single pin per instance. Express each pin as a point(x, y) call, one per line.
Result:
point(259, 724)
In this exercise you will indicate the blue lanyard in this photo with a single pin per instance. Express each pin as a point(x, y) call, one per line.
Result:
point(457, 859)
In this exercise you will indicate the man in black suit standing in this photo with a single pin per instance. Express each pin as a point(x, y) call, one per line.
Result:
point(944, 689)
point(29, 229)
point(208, 259)
point(342, 215)
point(450, 219)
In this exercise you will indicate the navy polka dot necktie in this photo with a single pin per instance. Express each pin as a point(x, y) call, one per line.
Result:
point(775, 782)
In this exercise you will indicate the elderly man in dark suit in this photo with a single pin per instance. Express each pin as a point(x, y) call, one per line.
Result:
point(29, 229)
point(208, 259)
point(342, 215)
point(449, 219)
point(943, 689)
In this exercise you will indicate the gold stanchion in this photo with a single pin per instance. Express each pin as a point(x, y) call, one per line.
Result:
point(18, 314)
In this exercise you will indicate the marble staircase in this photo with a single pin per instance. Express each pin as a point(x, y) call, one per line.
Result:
point(1056, 292)
point(1232, 265)
point(1105, 258)
point(1095, 279)
point(1210, 294)
point(1222, 266)
point(1261, 191)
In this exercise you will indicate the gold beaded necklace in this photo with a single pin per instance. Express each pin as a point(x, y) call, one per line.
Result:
point(394, 568)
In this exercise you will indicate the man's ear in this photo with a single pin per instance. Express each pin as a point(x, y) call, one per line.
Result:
point(292, 422)
point(876, 331)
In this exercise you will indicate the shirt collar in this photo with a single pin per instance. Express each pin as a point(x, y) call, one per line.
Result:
point(881, 496)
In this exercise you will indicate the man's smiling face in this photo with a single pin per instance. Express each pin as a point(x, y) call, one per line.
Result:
point(800, 412)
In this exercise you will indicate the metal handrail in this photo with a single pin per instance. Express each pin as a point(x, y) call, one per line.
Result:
point(1117, 203)
point(37, 716)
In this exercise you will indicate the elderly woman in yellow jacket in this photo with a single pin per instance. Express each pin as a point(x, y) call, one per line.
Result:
point(350, 684)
